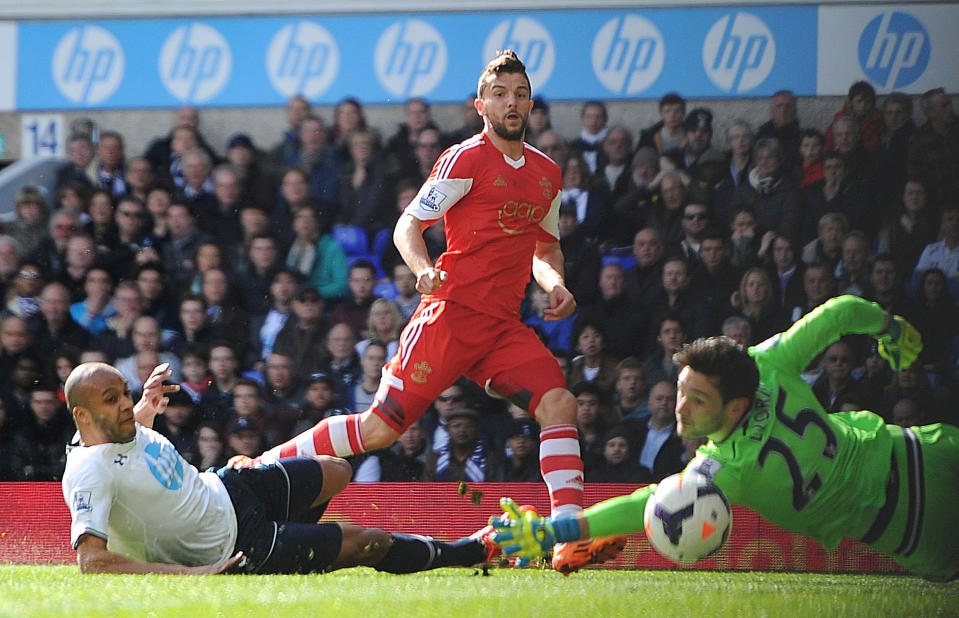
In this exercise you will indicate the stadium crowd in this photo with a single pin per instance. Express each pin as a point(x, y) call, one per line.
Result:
point(269, 281)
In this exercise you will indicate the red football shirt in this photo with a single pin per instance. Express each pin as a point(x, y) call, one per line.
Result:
point(494, 210)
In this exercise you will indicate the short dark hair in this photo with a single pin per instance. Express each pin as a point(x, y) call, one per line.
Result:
point(672, 98)
point(723, 359)
point(506, 61)
point(862, 89)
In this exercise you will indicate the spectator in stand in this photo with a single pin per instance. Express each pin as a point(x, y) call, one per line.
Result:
point(108, 169)
point(632, 208)
point(885, 287)
point(342, 362)
point(134, 245)
point(593, 364)
point(659, 446)
point(140, 178)
point(466, 458)
point(287, 149)
point(256, 275)
point(80, 168)
point(320, 163)
point(195, 367)
point(934, 149)
point(668, 133)
point(590, 421)
point(282, 391)
point(699, 135)
point(348, 119)
point(407, 298)
point(741, 140)
point(785, 271)
point(178, 423)
point(908, 227)
point(257, 186)
point(827, 246)
point(401, 147)
point(434, 421)
point(383, 326)
point(429, 147)
point(316, 255)
point(15, 342)
point(783, 125)
point(29, 226)
point(183, 240)
point(589, 200)
point(860, 105)
point(92, 312)
point(522, 453)
point(210, 449)
point(402, 462)
point(629, 398)
point(362, 180)
point(244, 437)
point(694, 223)
point(837, 384)
point(102, 224)
point(746, 244)
point(194, 329)
point(162, 153)
point(254, 220)
point(372, 360)
point(756, 301)
point(53, 326)
point(539, 120)
point(74, 198)
point(860, 163)
point(303, 335)
point(673, 295)
point(819, 285)
point(770, 192)
point(621, 321)
point(80, 256)
point(944, 254)
point(666, 211)
point(593, 119)
point(216, 400)
point(738, 329)
point(60, 366)
point(264, 327)
point(116, 339)
point(208, 256)
point(553, 146)
point(23, 296)
point(51, 254)
point(355, 309)
point(643, 279)
point(714, 282)
point(248, 405)
point(853, 270)
point(226, 319)
point(23, 376)
point(619, 463)
point(9, 262)
point(937, 319)
point(219, 216)
point(893, 148)
point(811, 146)
point(11, 447)
point(614, 174)
point(558, 333)
point(581, 260)
point(146, 338)
point(47, 434)
point(670, 338)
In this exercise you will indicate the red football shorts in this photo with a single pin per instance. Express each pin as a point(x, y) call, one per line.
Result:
point(445, 340)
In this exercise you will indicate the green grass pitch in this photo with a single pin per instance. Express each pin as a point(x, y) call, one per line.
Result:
point(61, 591)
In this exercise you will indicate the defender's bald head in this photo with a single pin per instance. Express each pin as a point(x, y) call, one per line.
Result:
point(83, 376)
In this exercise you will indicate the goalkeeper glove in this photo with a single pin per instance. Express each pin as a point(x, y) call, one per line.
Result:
point(527, 535)
point(900, 343)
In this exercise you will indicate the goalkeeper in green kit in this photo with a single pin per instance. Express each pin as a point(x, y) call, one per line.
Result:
point(773, 448)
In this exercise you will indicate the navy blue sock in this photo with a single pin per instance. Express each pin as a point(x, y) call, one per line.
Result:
point(411, 553)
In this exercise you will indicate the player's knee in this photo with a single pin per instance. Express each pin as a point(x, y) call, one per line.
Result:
point(337, 473)
point(376, 433)
point(557, 406)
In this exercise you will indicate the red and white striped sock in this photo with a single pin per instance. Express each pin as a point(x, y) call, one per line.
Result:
point(562, 467)
point(336, 435)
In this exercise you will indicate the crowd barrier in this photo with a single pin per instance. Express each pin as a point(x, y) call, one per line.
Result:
point(35, 525)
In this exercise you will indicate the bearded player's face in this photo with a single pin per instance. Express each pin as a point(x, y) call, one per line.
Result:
point(506, 105)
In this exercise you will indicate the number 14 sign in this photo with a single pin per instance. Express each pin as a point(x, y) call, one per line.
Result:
point(41, 135)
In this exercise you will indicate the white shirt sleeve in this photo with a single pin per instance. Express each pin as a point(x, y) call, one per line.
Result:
point(436, 196)
point(550, 222)
point(89, 495)
point(370, 471)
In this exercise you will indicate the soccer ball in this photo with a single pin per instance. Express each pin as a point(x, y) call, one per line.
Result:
point(687, 518)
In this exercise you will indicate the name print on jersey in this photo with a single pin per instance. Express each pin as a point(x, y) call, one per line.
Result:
point(513, 215)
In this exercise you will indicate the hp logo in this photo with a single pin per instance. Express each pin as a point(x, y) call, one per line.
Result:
point(532, 43)
point(628, 54)
point(739, 52)
point(410, 58)
point(894, 50)
point(88, 65)
point(302, 59)
point(195, 63)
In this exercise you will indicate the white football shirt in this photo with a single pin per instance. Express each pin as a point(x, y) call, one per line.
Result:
point(148, 503)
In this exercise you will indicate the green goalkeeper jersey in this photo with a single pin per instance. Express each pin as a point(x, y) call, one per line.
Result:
point(817, 474)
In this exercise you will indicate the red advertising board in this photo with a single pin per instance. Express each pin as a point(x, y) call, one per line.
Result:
point(35, 525)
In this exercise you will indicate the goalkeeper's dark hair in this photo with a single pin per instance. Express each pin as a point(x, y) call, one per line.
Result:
point(506, 61)
point(723, 359)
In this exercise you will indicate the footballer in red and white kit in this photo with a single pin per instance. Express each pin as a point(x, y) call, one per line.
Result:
point(499, 200)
